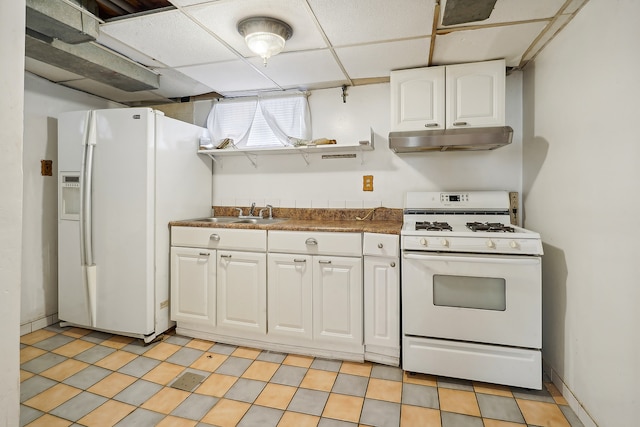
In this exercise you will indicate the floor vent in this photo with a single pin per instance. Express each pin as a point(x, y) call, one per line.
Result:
point(187, 381)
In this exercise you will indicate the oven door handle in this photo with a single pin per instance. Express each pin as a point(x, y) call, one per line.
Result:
point(494, 259)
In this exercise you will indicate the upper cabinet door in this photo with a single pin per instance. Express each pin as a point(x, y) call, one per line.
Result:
point(476, 94)
point(417, 99)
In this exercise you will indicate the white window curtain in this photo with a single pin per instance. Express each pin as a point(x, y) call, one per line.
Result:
point(265, 121)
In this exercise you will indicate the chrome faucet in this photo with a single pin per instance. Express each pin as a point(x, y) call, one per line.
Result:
point(270, 211)
point(239, 212)
point(252, 208)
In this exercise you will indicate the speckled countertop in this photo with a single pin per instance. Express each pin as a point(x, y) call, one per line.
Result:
point(378, 220)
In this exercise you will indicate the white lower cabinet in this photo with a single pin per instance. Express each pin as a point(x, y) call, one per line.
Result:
point(193, 285)
point(242, 292)
point(337, 300)
point(307, 294)
point(382, 298)
point(290, 296)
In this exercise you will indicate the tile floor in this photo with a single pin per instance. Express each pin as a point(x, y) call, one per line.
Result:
point(76, 377)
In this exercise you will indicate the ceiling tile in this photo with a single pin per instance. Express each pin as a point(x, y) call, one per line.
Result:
point(169, 37)
point(548, 35)
point(222, 17)
point(106, 40)
point(189, 2)
point(301, 69)
point(508, 42)
point(366, 60)
point(174, 84)
point(109, 92)
point(49, 72)
point(348, 22)
point(230, 76)
point(514, 11)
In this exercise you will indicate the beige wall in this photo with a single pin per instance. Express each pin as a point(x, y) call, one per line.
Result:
point(581, 151)
point(12, 22)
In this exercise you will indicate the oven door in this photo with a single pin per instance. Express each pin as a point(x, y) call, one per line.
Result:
point(478, 298)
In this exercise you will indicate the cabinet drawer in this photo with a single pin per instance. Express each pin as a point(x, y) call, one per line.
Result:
point(380, 244)
point(315, 243)
point(219, 238)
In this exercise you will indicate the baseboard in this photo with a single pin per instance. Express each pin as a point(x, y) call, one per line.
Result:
point(574, 403)
point(27, 328)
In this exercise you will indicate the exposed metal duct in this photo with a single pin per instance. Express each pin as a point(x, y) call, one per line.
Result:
point(92, 61)
point(61, 35)
point(61, 20)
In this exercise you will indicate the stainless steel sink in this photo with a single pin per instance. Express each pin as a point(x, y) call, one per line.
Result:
point(217, 219)
point(259, 220)
point(236, 220)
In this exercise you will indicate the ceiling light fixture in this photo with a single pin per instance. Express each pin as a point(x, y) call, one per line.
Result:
point(264, 36)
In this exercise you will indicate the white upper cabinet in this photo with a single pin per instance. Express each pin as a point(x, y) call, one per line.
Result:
point(417, 99)
point(448, 97)
point(475, 94)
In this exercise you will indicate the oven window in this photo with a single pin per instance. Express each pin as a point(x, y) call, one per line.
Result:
point(484, 293)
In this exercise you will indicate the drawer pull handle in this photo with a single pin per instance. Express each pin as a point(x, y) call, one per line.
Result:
point(225, 256)
point(431, 125)
point(460, 123)
point(204, 254)
point(215, 237)
point(393, 264)
point(324, 262)
point(380, 245)
point(299, 260)
point(311, 241)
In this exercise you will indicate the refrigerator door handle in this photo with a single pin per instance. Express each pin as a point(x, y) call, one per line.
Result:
point(86, 242)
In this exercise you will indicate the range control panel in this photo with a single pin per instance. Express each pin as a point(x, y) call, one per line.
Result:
point(454, 197)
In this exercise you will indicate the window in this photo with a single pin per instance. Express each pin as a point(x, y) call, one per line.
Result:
point(264, 121)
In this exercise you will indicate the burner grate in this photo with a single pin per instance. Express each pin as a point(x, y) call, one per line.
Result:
point(433, 226)
point(490, 226)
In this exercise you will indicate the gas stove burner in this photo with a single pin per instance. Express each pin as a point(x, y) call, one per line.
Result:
point(433, 226)
point(490, 226)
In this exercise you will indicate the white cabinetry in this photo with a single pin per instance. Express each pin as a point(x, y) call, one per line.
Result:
point(290, 296)
point(193, 285)
point(218, 280)
point(451, 97)
point(417, 99)
point(315, 289)
point(242, 292)
point(381, 298)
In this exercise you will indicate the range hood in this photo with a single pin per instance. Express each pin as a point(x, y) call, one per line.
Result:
point(469, 139)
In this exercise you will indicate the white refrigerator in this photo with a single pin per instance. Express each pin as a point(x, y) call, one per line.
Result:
point(124, 174)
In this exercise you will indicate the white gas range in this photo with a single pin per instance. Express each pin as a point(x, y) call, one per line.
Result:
point(471, 289)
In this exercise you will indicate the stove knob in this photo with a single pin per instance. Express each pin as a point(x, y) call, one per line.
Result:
point(491, 244)
point(423, 242)
point(444, 242)
point(514, 244)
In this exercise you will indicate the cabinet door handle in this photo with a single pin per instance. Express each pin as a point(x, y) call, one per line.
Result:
point(215, 237)
point(380, 245)
point(460, 123)
point(204, 254)
point(324, 262)
point(299, 260)
point(393, 264)
point(311, 241)
point(225, 256)
point(431, 125)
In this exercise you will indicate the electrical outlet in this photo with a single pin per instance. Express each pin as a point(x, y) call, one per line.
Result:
point(513, 207)
point(367, 183)
point(46, 167)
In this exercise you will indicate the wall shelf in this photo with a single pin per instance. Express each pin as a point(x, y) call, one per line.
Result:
point(327, 151)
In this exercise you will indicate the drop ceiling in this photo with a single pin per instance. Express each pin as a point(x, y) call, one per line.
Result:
point(196, 50)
